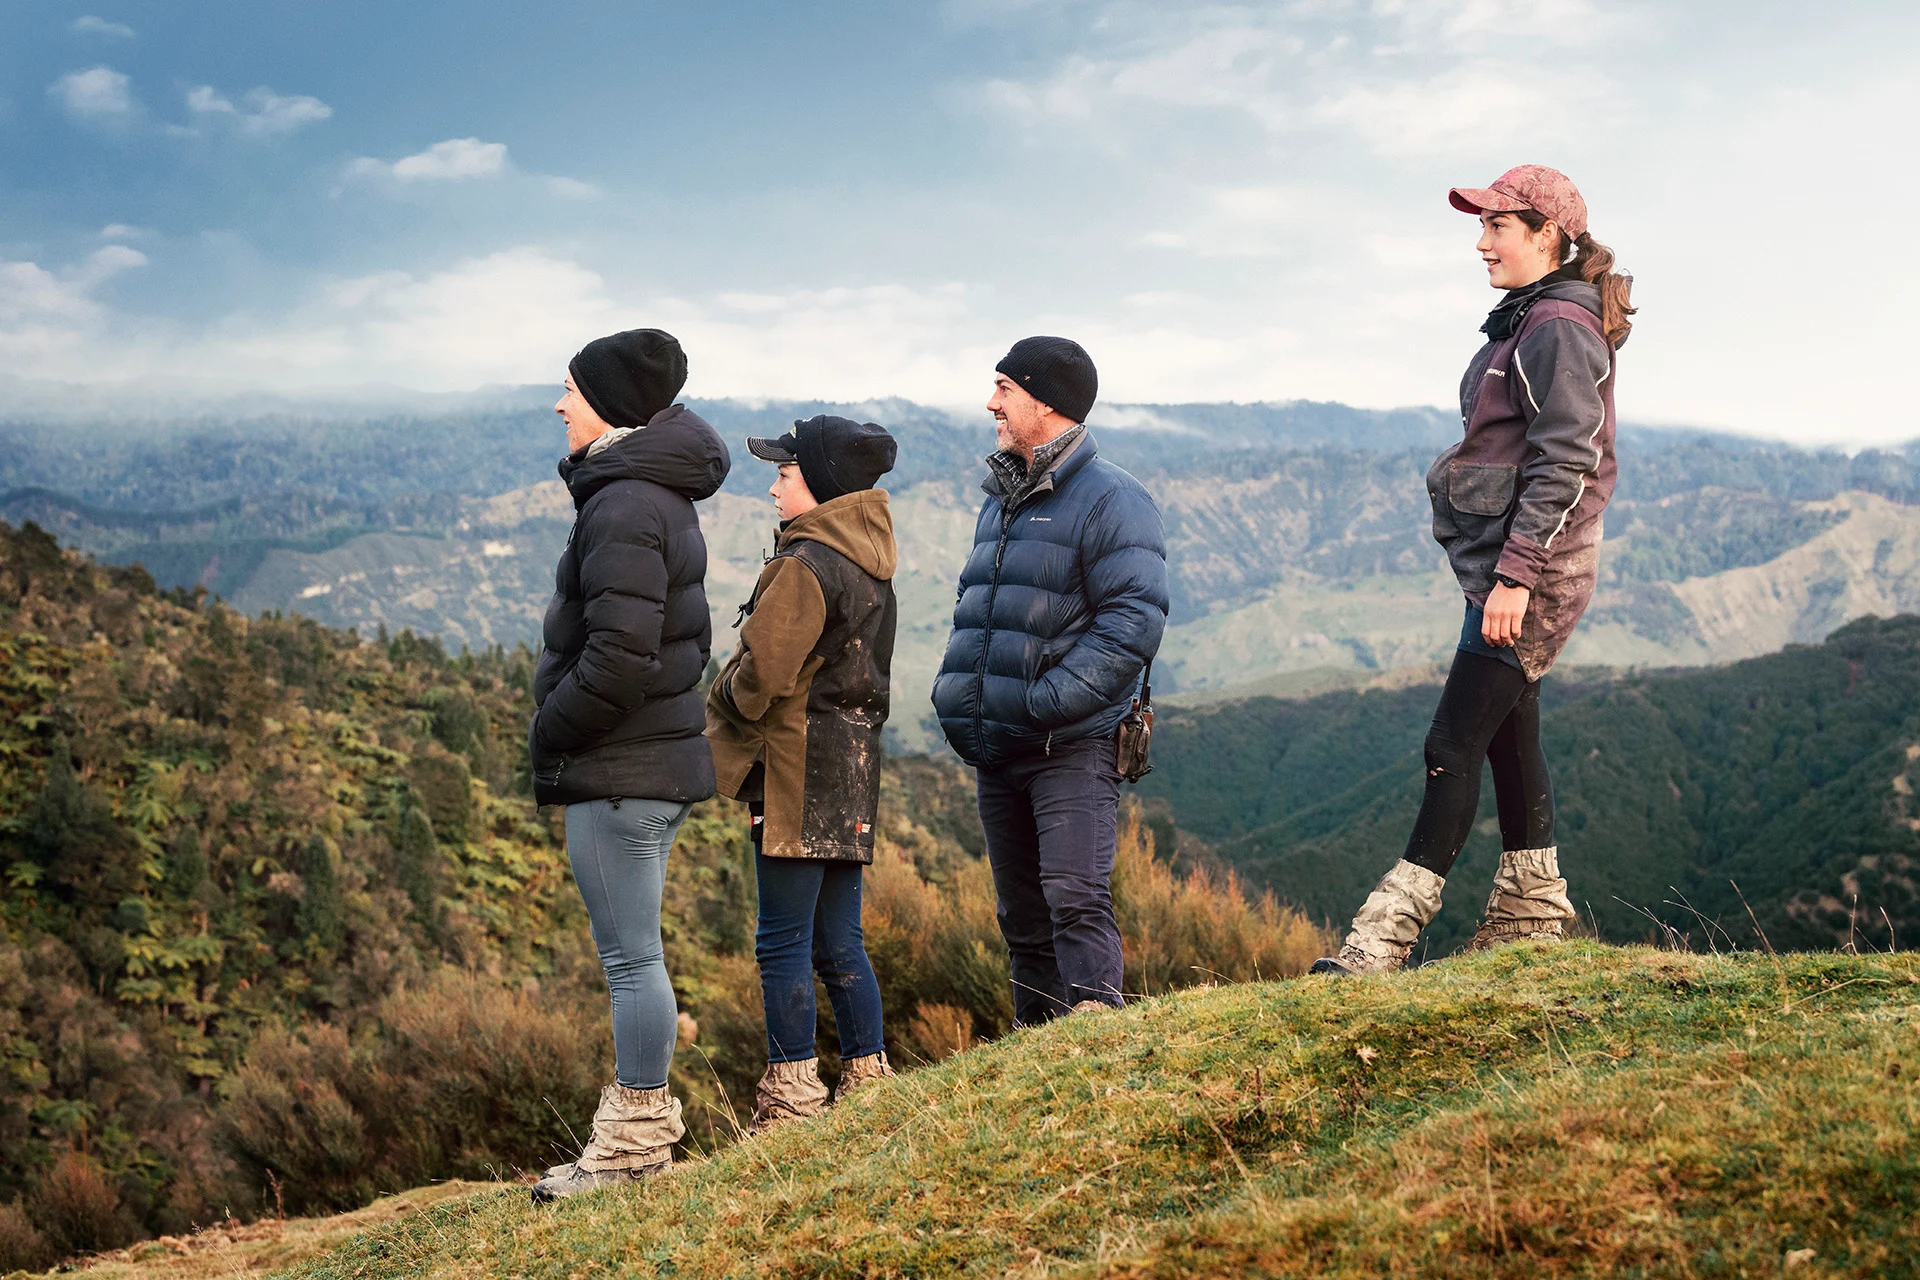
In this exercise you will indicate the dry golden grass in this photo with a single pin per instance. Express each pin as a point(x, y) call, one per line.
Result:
point(241, 1251)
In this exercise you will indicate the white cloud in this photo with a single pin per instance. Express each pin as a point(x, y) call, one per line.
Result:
point(46, 316)
point(454, 160)
point(96, 95)
point(1405, 76)
point(122, 231)
point(572, 189)
point(93, 26)
point(1467, 110)
point(262, 113)
point(518, 315)
point(513, 316)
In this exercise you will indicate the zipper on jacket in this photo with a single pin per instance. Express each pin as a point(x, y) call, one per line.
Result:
point(1049, 744)
point(986, 634)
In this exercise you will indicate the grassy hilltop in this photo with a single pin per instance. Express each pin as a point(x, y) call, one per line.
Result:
point(282, 931)
point(1586, 1111)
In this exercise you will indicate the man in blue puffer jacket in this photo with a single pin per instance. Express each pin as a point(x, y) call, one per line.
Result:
point(1062, 604)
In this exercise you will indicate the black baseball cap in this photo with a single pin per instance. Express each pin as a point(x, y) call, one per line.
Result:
point(836, 456)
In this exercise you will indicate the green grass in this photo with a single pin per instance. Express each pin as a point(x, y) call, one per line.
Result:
point(1586, 1110)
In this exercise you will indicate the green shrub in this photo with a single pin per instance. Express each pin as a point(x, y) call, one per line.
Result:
point(290, 1118)
point(1185, 930)
point(77, 1210)
point(22, 1247)
point(480, 1080)
point(461, 1078)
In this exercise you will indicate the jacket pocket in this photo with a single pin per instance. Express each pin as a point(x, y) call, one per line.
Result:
point(1481, 489)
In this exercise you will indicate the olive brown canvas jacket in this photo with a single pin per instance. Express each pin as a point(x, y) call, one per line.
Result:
point(795, 716)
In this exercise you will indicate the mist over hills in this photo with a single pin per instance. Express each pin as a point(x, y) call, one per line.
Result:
point(1297, 531)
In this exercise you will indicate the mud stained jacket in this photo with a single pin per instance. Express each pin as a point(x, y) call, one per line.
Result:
point(627, 632)
point(795, 716)
point(1522, 495)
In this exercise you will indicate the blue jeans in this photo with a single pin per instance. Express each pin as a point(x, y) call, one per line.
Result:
point(1473, 641)
point(618, 849)
point(810, 922)
point(1050, 824)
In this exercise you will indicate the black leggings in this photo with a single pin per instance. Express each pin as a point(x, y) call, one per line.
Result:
point(1488, 710)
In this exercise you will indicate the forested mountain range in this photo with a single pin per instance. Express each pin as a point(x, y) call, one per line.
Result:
point(1784, 783)
point(1297, 532)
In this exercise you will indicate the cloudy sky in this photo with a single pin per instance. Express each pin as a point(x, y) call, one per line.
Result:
point(1222, 201)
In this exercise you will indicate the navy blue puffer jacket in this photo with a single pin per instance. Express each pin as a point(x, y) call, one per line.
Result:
point(1062, 603)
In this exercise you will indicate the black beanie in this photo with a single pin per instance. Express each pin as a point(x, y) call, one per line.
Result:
point(836, 456)
point(1057, 372)
point(630, 376)
point(839, 456)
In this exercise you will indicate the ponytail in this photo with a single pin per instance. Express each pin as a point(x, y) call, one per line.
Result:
point(1595, 263)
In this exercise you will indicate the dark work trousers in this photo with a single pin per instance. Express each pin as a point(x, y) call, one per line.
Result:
point(1488, 711)
point(1050, 834)
point(810, 923)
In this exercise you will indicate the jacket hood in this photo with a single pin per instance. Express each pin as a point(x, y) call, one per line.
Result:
point(857, 525)
point(676, 449)
point(1564, 285)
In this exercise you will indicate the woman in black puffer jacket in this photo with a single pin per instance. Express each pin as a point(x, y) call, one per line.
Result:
point(618, 737)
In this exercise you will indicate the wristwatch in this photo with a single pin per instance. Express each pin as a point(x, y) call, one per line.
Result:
point(1505, 581)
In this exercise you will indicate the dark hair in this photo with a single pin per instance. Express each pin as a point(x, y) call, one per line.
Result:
point(1595, 261)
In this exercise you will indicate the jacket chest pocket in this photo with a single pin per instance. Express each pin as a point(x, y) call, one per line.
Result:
point(1481, 489)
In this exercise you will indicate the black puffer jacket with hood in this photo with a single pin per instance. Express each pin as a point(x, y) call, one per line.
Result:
point(627, 633)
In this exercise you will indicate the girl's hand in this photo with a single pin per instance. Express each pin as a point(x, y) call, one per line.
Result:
point(1506, 610)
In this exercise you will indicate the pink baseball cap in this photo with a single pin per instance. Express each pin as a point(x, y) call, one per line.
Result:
point(1530, 186)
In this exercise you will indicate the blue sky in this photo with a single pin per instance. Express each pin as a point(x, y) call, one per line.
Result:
point(1223, 201)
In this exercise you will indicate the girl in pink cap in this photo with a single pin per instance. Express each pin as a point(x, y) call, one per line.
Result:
point(1517, 505)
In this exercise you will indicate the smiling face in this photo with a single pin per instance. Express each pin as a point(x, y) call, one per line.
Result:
point(791, 497)
point(584, 426)
point(1515, 254)
point(1022, 424)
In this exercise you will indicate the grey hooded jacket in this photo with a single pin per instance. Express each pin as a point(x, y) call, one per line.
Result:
point(1522, 495)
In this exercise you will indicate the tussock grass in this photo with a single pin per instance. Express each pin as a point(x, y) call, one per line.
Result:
point(1584, 1110)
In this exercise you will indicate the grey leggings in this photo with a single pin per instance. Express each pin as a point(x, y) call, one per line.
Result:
point(618, 849)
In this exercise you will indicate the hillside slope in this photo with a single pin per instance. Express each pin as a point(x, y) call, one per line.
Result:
point(1585, 1111)
point(281, 926)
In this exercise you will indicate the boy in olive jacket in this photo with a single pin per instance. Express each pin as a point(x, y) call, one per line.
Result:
point(794, 720)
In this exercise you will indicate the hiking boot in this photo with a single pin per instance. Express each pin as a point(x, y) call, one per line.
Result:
point(1529, 901)
point(570, 1179)
point(788, 1091)
point(633, 1135)
point(855, 1072)
point(1388, 923)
